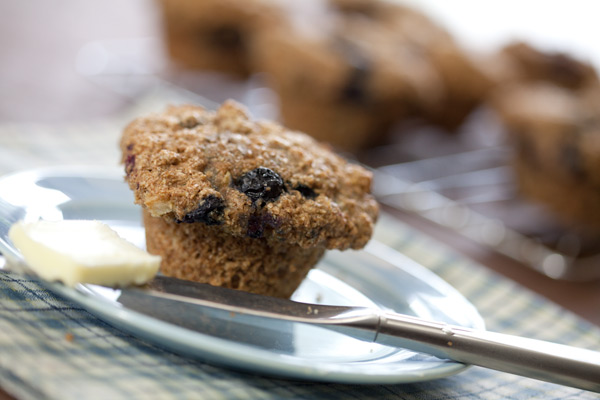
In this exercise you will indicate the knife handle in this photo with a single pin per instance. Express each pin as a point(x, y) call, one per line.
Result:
point(551, 362)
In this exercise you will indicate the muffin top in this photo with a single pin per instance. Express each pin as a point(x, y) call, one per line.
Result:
point(529, 64)
point(250, 178)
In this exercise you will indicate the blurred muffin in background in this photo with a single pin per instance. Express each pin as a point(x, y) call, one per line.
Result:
point(348, 78)
point(550, 108)
point(345, 71)
point(215, 35)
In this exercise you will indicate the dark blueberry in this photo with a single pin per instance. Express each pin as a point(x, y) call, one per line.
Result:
point(355, 90)
point(189, 123)
point(209, 212)
point(572, 158)
point(227, 37)
point(257, 223)
point(129, 163)
point(305, 191)
point(235, 281)
point(260, 184)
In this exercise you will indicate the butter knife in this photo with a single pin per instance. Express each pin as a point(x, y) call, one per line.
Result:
point(552, 362)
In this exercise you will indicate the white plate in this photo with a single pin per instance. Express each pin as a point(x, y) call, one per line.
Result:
point(377, 276)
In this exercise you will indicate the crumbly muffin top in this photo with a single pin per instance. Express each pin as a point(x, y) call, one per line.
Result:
point(251, 178)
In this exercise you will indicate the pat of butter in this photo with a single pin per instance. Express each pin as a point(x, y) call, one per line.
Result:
point(80, 251)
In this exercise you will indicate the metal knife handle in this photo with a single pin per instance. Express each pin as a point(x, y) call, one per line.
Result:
point(551, 362)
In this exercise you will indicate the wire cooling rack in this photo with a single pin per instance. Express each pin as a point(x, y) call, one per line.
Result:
point(464, 182)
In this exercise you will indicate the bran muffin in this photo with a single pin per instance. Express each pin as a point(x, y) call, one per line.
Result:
point(240, 203)
point(463, 80)
point(555, 132)
point(215, 35)
point(347, 79)
point(371, 64)
point(549, 106)
point(345, 71)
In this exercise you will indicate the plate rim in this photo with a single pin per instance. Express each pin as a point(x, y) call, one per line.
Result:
point(230, 354)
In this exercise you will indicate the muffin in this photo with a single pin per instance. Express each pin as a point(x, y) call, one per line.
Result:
point(463, 81)
point(369, 65)
point(240, 203)
point(548, 105)
point(345, 71)
point(214, 35)
point(347, 79)
point(555, 132)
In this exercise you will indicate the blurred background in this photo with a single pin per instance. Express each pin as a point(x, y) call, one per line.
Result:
point(69, 61)
point(42, 43)
point(554, 25)
point(45, 72)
